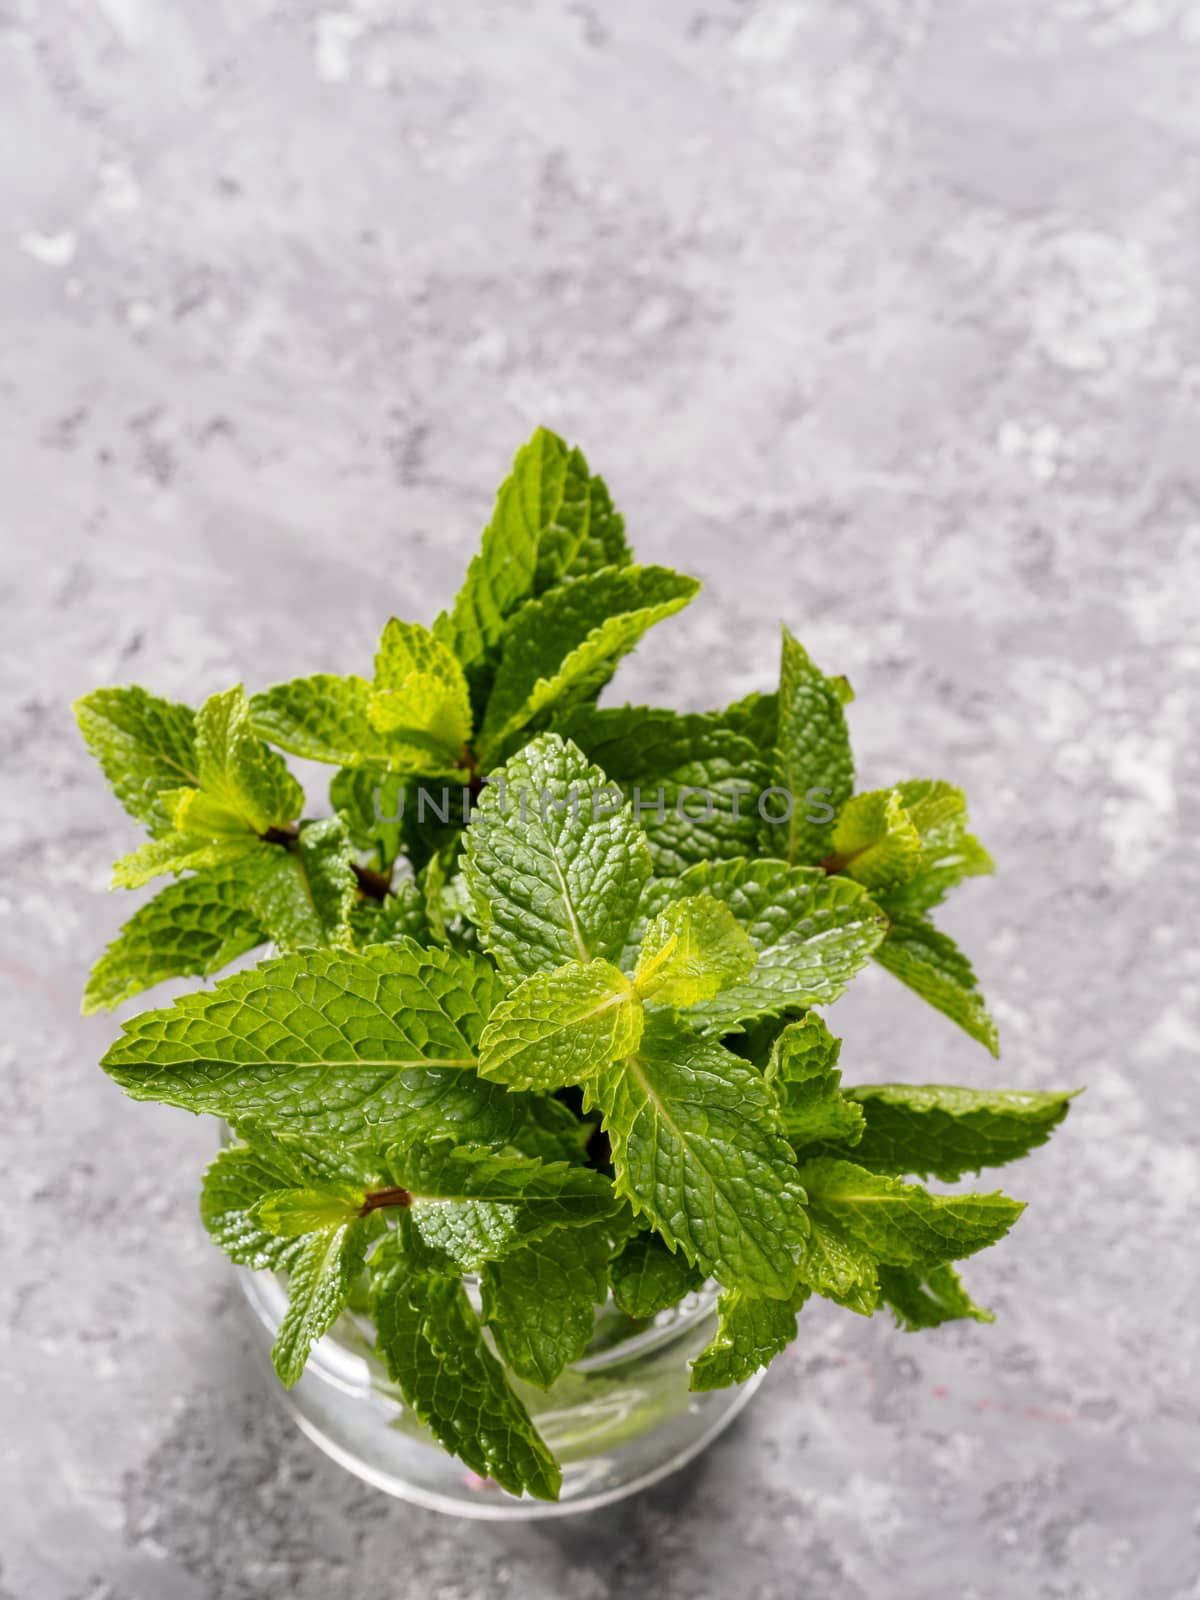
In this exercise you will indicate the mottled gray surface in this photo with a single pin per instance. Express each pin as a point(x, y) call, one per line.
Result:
point(881, 316)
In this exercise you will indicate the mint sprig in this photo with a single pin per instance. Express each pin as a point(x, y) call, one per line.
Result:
point(542, 1012)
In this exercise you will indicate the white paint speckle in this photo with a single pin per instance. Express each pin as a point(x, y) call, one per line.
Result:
point(51, 249)
point(1093, 293)
point(1136, 817)
point(119, 191)
point(334, 33)
point(767, 34)
point(128, 20)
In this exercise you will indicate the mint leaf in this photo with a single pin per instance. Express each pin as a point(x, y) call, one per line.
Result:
point(551, 520)
point(813, 761)
point(936, 1130)
point(876, 840)
point(554, 867)
point(326, 718)
point(192, 928)
point(754, 718)
point(944, 865)
point(569, 641)
point(321, 1277)
point(421, 691)
point(647, 1277)
point(751, 1331)
point(372, 804)
point(540, 1302)
point(938, 809)
point(933, 966)
point(237, 771)
point(325, 855)
point(398, 916)
point(502, 575)
point(289, 1212)
point(602, 545)
point(277, 891)
point(900, 1224)
point(557, 1028)
point(709, 777)
point(144, 745)
point(803, 1072)
point(927, 1298)
point(812, 934)
point(549, 1130)
point(434, 1351)
point(234, 1184)
point(697, 1148)
point(185, 852)
point(585, 533)
point(692, 950)
point(375, 1045)
point(475, 1206)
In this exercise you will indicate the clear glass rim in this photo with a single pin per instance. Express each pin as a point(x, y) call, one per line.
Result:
point(339, 1362)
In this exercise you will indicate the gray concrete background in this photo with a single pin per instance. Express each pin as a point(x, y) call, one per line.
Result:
point(879, 315)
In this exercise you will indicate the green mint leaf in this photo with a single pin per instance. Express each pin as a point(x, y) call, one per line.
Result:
point(234, 1184)
point(697, 1148)
point(938, 809)
point(569, 641)
point(289, 1212)
point(398, 916)
point(900, 1224)
point(369, 801)
point(327, 718)
point(192, 928)
point(376, 1045)
point(710, 778)
point(552, 520)
point(803, 1071)
point(939, 1131)
point(421, 690)
point(549, 1130)
point(944, 865)
point(754, 718)
point(198, 814)
point(693, 949)
point(927, 1298)
point(434, 1351)
point(540, 1302)
point(555, 867)
point(603, 543)
point(948, 853)
point(237, 771)
point(502, 575)
point(933, 966)
point(647, 1277)
point(276, 889)
point(751, 1331)
point(185, 852)
point(876, 840)
point(446, 900)
point(320, 1280)
point(144, 745)
point(475, 1206)
point(811, 933)
point(812, 754)
point(585, 533)
point(324, 851)
point(557, 1028)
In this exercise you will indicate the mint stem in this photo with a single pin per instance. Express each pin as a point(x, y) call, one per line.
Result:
point(377, 1199)
point(375, 885)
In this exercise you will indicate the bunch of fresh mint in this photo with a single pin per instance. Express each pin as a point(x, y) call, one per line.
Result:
point(545, 1011)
